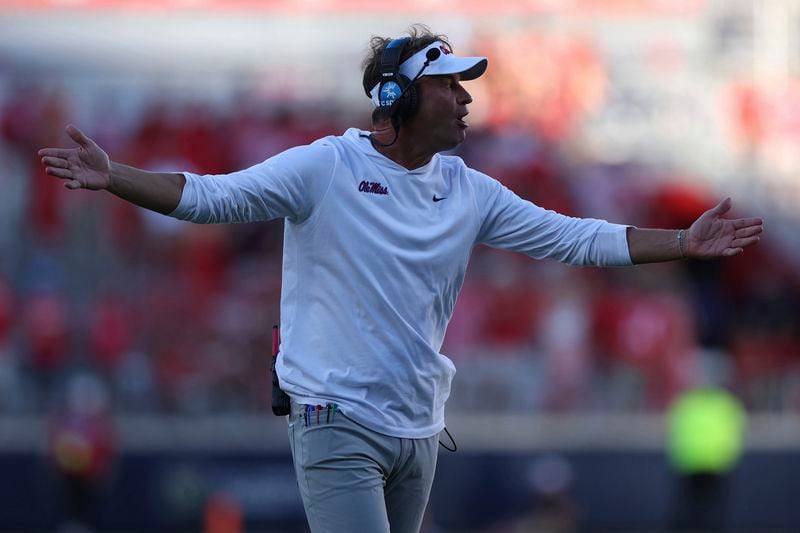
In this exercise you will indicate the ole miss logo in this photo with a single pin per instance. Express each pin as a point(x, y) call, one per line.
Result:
point(373, 187)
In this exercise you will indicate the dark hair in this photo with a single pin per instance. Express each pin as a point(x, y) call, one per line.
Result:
point(421, 37)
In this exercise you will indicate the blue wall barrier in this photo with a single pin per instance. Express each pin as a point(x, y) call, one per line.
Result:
point(609, 491)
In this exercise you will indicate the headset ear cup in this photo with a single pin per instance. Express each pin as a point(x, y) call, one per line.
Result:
point(409, 101)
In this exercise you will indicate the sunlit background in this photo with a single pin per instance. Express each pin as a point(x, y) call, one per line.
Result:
point(135, 349)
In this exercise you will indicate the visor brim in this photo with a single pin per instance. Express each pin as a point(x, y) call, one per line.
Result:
point(469, 68)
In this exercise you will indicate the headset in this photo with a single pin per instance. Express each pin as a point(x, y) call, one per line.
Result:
point(397, 92)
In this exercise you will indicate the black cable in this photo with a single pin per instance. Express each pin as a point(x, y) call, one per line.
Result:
point(455, 446)
point(396, 126)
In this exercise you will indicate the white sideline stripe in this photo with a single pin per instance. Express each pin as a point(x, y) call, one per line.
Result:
point(483, 433)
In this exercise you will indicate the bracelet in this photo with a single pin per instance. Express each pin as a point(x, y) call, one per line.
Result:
point(681, 235)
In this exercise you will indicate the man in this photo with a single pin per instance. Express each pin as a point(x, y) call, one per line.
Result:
point(379, 230)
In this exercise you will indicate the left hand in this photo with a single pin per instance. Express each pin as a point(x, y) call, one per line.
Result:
point(711, 236)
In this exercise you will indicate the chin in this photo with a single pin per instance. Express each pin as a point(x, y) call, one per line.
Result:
point(454, 142)
point(461, 138)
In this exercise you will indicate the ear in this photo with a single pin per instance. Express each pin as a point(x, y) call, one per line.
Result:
point(380, 117)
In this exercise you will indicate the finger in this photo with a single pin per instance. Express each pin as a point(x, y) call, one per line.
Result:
point(748, 231)
point(743, 243)
point(78, 136)
point(73, 184)
point(55, 162)
point(56, 152)
point(59, 172)
point(729, 252)
point(744, 222)
point(723, 207)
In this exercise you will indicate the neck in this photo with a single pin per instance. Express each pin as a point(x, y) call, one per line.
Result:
point(403, 151)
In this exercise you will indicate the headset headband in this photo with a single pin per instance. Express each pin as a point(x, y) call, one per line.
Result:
point(390, 59)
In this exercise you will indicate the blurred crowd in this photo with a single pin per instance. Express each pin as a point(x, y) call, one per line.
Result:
point(174, 317)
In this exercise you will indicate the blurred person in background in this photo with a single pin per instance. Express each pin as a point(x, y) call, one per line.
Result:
point(82, 446)
point(378, 233)
point(553, 509)
point(705, 431)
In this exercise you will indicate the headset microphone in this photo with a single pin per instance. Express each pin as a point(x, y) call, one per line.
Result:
point(432, 55)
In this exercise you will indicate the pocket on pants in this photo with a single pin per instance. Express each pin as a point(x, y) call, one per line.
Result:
point(318, 442)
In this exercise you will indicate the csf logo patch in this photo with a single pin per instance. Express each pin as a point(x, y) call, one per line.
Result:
point(390, 92)
point(373, 187)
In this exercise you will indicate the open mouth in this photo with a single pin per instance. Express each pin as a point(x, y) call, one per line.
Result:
point(462, 122)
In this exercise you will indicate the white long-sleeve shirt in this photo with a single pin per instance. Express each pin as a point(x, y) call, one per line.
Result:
point(374, 257)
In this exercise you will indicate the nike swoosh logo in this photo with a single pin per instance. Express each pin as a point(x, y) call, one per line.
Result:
point(435, 199)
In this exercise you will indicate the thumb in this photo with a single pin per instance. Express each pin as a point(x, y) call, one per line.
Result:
point(73, 184)
point(78, 136)
point(723, 207)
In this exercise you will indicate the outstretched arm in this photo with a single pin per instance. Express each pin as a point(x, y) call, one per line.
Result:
point(88, 167)
point(709, 237)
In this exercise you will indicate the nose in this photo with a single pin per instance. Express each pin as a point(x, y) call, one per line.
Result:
point(464, 97)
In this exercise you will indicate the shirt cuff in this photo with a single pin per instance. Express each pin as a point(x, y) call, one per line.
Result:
point(188, 201)
point(613, 239)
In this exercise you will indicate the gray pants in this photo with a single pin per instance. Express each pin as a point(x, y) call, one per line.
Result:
point(353, 479)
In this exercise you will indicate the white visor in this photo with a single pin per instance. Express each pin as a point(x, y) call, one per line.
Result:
point(447, 63)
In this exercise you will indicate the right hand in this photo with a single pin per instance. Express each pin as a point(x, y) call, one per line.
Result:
point(84, 167)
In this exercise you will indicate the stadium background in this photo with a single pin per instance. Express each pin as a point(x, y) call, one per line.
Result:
point(148, 339)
